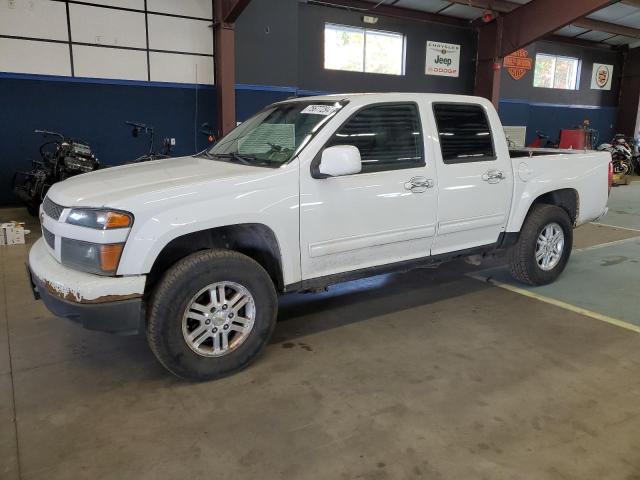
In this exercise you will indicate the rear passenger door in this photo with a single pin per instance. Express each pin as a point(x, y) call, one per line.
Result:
point(475, 179)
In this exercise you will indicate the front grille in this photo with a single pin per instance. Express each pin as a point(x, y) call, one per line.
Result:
point(52, 210)
point(49, 237)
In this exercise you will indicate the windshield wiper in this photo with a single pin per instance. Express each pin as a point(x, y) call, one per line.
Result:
point(250, 160)
point(244, 159)
point(204, 153)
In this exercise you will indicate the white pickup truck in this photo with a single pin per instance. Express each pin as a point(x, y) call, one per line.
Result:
point(309, 192)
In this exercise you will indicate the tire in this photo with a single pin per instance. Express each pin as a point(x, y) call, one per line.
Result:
point(524, 265)
point(168, 325)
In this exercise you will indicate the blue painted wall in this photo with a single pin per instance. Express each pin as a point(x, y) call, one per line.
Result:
point(96, 111)
point(252, 98)
point(551, 118)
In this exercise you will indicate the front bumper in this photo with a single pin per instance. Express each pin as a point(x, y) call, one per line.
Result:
point(109, 304)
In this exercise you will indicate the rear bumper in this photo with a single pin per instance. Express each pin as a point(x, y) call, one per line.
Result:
point(604, 212)
point(108, 304)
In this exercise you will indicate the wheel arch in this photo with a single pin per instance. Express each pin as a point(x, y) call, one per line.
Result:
point(255, 240)
point(566, 198)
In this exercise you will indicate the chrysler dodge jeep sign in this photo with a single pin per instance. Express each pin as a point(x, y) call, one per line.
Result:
point(443, 59)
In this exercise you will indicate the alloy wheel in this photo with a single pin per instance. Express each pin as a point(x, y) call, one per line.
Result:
point(549, 246)
point(218, 319)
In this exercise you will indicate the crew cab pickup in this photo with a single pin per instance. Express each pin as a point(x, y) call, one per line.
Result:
point(307, 193)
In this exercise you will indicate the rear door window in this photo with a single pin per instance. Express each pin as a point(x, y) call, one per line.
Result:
point(464, 133)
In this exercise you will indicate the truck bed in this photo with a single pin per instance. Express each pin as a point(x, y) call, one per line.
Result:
point(537, 152)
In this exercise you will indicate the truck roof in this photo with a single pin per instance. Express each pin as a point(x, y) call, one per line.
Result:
point(370, 97)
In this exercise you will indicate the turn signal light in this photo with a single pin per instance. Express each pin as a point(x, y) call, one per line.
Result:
point(110, 257)
point(117, 220)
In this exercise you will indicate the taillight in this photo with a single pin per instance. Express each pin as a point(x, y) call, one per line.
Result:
point(610, 176)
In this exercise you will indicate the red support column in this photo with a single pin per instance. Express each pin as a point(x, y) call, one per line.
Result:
point(225, 12)
point(535, 19)
point(489, 62)
point(225, 77)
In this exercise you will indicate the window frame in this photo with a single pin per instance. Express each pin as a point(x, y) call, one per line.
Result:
point(364, 30)
point(575, 88)
point(485, 158)
point(315, 163)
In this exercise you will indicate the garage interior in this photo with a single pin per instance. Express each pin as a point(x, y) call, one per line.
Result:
point(449, 372)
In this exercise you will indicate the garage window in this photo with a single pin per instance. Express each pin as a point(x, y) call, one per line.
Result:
point(464, 133)
point(363, 50)
point(556, 72)
point(389, 137)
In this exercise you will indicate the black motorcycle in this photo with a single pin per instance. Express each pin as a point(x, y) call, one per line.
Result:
point(621, 155)
point(60, 159)
point(142, 129)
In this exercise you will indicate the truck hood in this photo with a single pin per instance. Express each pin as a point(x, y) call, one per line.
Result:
point(118, 187)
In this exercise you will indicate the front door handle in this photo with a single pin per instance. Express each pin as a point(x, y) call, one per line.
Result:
point(419, 184)
point(493, 176)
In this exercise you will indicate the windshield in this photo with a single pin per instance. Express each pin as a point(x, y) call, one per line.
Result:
point(275, 135)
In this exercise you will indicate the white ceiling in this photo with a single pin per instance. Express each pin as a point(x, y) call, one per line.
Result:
point(619, 14)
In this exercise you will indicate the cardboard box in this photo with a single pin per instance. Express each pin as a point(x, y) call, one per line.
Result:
point(619, 179)
point(12, 233)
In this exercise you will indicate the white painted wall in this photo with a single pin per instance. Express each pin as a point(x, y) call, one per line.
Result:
point(173, 67)
point(190, 8)
point(92, 22)
point(32, 56)
point(107, 26)
point(34, 19)
point(180, 34)
point(135, 4)
point(98, 62)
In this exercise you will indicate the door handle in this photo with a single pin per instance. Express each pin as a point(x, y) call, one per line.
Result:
point(419, 184)
point(493, 176)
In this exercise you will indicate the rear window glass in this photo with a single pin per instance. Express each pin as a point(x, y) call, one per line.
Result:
point(464, 133)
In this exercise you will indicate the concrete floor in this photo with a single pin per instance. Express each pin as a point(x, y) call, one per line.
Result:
point(428, 374)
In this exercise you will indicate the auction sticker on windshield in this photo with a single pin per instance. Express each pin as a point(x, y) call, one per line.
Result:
point(320, 109)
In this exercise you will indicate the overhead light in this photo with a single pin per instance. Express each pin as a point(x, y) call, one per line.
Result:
point(370, 19)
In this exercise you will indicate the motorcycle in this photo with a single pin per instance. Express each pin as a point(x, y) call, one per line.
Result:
point(142, 129)
point(60, 159)
point(167, 143)
point(621, 155)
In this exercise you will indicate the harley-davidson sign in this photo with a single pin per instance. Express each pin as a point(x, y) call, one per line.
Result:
point(518, 63)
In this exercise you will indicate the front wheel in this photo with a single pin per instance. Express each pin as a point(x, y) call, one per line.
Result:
point(211, 314)
point(543, 247)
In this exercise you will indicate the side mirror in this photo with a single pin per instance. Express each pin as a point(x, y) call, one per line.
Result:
point(340, 160)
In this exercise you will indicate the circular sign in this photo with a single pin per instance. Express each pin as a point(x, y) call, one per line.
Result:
point(602, 76)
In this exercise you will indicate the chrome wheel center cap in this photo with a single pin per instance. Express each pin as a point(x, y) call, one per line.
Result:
point(219, 319)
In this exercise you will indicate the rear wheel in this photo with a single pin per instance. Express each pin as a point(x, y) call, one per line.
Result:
point(543, 247)
point(211, 314)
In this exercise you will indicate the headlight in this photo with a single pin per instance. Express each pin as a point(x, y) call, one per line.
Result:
point(99, 219)
point(102, 259)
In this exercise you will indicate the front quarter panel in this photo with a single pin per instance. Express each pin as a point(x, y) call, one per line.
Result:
point(269, 198)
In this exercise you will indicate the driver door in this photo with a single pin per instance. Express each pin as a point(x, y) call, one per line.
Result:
point(383, 215)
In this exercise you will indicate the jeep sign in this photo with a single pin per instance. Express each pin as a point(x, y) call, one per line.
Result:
point(443, 59)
